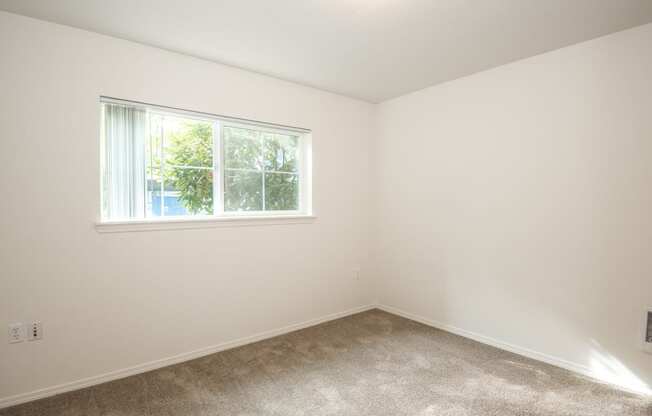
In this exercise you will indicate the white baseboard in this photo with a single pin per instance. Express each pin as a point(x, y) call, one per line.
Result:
point(164, 362)
point(153, 365)
point(539, 356)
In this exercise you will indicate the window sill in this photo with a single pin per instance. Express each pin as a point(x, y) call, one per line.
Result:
point(193, 223)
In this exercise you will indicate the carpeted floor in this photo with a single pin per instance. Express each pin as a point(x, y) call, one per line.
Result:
point(371, 363)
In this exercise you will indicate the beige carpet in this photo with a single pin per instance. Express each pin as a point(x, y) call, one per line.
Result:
point(372, 363)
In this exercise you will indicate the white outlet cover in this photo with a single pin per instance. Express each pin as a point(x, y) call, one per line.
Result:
point(16, 333)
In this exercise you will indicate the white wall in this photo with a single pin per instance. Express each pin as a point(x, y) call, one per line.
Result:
point(513, 203)
point(516, 204)
point(111, 301)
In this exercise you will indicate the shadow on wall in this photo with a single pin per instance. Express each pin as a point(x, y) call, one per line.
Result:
point(607, 368)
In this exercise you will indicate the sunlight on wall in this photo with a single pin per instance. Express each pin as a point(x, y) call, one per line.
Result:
point(607, 368)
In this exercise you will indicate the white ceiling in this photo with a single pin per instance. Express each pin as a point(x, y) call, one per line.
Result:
point(368, 49)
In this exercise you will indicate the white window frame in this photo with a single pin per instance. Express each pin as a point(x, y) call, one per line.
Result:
point(219, 217)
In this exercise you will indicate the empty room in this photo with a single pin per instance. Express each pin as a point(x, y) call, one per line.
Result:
point(326, 207)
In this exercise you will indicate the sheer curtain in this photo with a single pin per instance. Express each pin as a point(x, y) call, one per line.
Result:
point(124, 162)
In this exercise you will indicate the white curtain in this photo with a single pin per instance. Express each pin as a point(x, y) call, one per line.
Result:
point(124, 161)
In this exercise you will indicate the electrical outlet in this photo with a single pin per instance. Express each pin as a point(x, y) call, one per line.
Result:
point(16, 333)
point(35, 331)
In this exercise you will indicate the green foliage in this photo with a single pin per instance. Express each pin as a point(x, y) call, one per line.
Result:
point(282, 181)
point(242, 162)
point(192, 147)
point(246, 153)
point(281, 192)
point(242, 191)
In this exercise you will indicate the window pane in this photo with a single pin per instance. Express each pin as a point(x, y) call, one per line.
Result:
point(280, 152)
point(186, 146)
point(155, 139)
point(243, 190)
point(153, 192)
point(242, 148)
point(153, 166)
point(281, 192)
point(188, 142)
point(188, 191)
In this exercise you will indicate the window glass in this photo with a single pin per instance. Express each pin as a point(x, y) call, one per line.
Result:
point(261, 170)
point(281, 192)
point(280, 152)
point(179, 166)
point(242, 149)
point(243, 191)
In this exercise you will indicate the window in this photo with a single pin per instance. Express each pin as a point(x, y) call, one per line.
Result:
point(159, 162)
